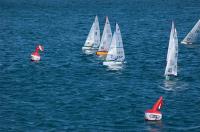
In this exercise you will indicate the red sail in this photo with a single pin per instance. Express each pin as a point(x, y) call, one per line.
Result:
point(158, 104)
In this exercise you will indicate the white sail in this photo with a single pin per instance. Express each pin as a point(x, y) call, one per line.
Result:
point(106, 37)
point(170, 42)
point(116, 50)
point(93, 39)
point(193, 35)
point(112, 53)
point(172, 55)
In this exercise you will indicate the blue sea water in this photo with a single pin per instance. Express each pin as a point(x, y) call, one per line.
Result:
point(69, 91)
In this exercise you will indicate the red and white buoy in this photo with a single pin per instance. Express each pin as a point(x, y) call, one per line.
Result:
point(153, 114)
point(35, 56)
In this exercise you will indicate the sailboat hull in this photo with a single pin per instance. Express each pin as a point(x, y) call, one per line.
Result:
point(170, 77)
point(183, 42)
point(112, 63)
point(88, 50)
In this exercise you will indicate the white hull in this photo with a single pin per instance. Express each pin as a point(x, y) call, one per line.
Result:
point(88, 50)
point(112, 63)
point(153, 116)
point(183, 42)
point(170, 77)
point(35, 58)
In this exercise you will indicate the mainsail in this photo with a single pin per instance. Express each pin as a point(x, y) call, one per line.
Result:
point(116, 51)
point(172, 55)
point(193, 35)
point(93, 39)
point(106, 37)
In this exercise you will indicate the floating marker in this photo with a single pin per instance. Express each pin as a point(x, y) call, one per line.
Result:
point(153, 114)
point(35, 56)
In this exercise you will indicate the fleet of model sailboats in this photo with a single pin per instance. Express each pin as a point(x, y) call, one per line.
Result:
point(110, 47)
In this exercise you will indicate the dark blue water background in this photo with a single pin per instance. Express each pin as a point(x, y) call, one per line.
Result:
point(69, 91)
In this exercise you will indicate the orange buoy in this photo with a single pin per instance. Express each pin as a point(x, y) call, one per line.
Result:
point(35, 56)
point(153, 114)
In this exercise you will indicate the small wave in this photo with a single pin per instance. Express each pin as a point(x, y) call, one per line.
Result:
point(173, 85)
point(186, 128)
point(116, 68)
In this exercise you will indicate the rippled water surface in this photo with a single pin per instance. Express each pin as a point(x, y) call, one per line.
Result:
point(69, 91)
